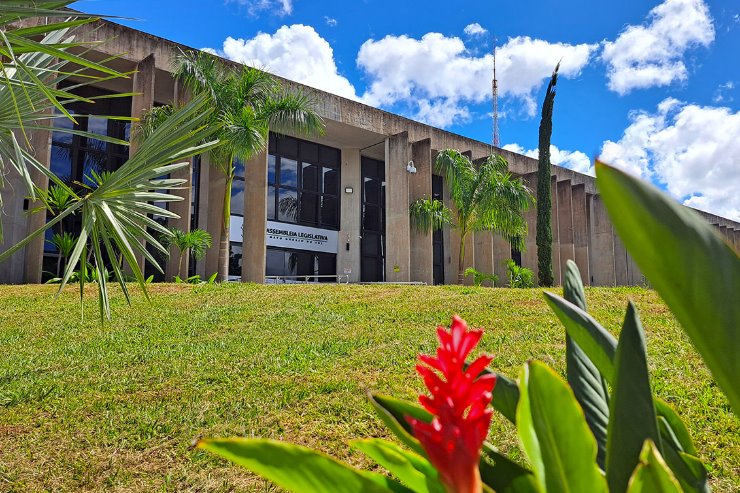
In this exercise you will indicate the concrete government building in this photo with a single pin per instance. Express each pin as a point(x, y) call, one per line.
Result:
point(350, 191)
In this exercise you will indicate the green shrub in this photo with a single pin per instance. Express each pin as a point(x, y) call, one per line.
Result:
point(479, 277)
point(519, 277)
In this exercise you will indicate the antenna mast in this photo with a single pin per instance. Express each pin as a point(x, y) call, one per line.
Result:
point(494, 88)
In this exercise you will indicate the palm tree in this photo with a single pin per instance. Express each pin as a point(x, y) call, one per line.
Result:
point(35, 58)
point(486, 198)
point(196, 242)
point(248, 104)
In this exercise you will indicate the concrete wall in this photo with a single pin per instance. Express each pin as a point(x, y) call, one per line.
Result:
point(397, 225)
point(580, 218)
point(601, 247)
point(565, 225)
point(420, 187)
point(254, 246)
point(348, 261)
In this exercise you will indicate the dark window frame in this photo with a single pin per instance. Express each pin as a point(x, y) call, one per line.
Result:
point(321, 165)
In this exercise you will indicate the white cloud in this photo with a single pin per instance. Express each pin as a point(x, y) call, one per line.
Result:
point(652, 55)
point(575, 160)
point(295, 52)
point(721, 94)
point(279, 7)
point(440, 69)
point(475, 29)
point(692, 150)
point(330, 21)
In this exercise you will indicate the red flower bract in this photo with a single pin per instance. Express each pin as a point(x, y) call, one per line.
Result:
point(459, 402)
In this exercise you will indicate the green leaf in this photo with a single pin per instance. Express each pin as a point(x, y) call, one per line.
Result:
point(652, 475)
point(688, 264)
point(688, 469)
point(584, 378)
point(555, 435)
point(505, 397)
point(393, 413)
point(298, 469)
point(632, 413)
point(598, 344)
point(411, 469)
point(676, 425)
point(502, 474)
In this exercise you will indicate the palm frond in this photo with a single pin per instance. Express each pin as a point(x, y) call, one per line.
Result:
point(429, 215)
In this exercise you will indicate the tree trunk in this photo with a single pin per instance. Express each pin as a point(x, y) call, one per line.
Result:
point(461, 259)
point(179, 264)
point(223, 247)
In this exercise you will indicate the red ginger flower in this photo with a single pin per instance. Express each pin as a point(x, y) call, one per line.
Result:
point(459, 402)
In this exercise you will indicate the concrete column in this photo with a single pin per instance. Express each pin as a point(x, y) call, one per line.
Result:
point(501, 253)
point(420, 186)
point(142, 101)
point(555, 225)
point(736, 235)
point(181, 208)
point(601, 258)
point(397, 224)
point(634, 274)
point(348, 261)
point(529, 256)
point(483, 252)
point(620, 262)
point(15, 229)
point(254, 246)
point(34, 252)
point(580, 231)
point(565, 225)
point(214, 223)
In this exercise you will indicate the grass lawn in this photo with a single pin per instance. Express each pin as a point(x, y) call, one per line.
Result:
point(85, 408)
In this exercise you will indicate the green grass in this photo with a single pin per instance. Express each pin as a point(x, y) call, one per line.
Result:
point(118, 407)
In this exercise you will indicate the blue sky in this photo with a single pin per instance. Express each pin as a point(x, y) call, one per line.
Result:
point(651, 86)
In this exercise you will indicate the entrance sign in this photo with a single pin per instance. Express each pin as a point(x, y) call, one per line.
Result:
point(297, 237)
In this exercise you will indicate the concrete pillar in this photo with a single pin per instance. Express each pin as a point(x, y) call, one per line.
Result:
point(348, 261)
point(420, 186)
point(142, 101)
point(565, 225)
point(634, 274)
point(483, 251)
point(15, 229)
point(555, 225)
point(620, 262)
point(216, 186)
point(501, 253)
point(254, 246)
point(580, 230)
point(34, 251)
point(601, 251)
point(397, 224)
point(181, 208)
point(529, 256)
point(736, 236)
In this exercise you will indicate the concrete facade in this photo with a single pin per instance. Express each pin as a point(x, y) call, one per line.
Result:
point(581, 228)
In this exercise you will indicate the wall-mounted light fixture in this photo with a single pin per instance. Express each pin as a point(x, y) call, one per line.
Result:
point(348, 190)
point(410, 167)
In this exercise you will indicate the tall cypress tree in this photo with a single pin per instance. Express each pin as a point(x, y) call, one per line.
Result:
point(544, 196)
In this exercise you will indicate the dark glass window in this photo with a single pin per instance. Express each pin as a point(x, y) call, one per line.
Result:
point(372, 244)
point(438, 263)
point(303, 182)
point(300, 266)
point(74, 157)
point(235, 259)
